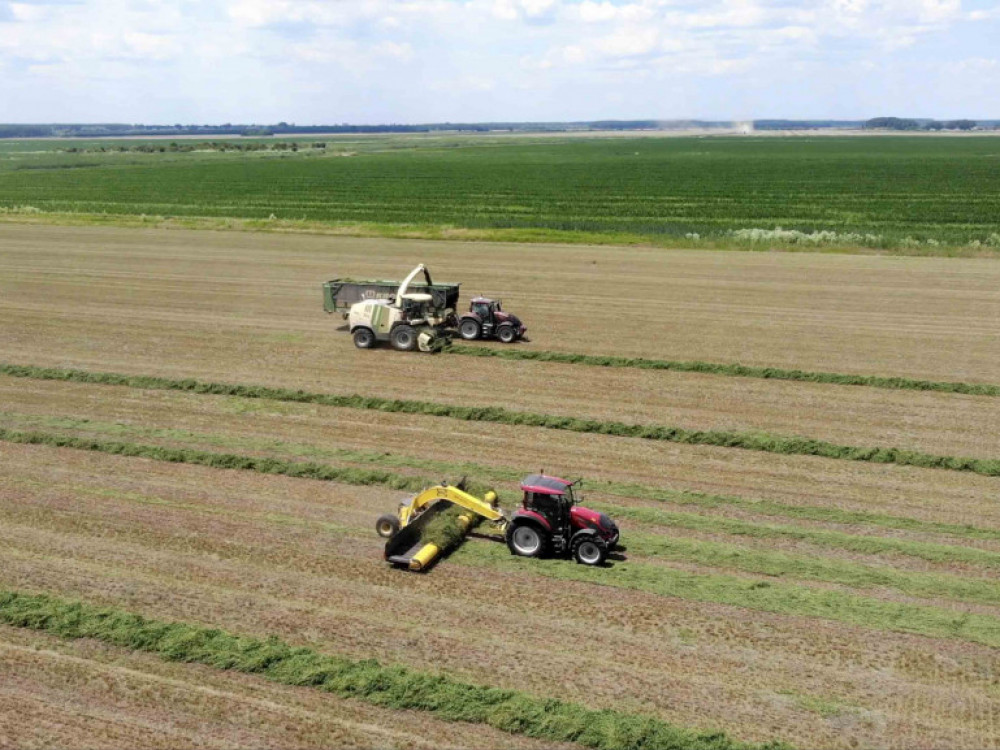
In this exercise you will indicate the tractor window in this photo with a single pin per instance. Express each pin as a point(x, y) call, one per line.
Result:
point(549, 506)
point(482, 309)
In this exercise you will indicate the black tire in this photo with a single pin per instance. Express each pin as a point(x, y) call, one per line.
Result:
point(589, 549)
point(507, 334)
point(526, 540)
point(386, 526)
point(364, 338)
point(404, 338)
point(469, 329)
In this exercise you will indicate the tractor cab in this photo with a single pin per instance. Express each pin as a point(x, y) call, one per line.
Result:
point(550, 497)
point(485, 308)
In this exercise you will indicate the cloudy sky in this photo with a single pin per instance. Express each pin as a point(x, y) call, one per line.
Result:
point(376, 61)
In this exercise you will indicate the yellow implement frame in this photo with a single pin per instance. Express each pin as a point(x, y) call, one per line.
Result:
point(487, 507)
point(405, 548)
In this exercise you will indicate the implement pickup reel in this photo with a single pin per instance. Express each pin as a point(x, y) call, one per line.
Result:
point(548, 523)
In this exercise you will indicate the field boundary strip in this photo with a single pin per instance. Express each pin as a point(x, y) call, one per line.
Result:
point(730, 370)
point(745, 440)
point(779, 597)
point(394, 687)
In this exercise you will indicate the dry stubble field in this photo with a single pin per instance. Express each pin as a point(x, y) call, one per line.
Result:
point(823, 602)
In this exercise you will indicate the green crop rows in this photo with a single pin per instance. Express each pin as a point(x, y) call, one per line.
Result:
point(27, 425)
point(444, 531)
point(730, 370)
point(754, 441)
point(881, 192)
point(368, 681)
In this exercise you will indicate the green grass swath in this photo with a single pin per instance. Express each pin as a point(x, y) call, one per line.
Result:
point(774, 596)
point(762, 507)
point(938, 553)
point(763, 595)
point(732, 370)
point(446, 534)
point(755, 441)
point(393, 687)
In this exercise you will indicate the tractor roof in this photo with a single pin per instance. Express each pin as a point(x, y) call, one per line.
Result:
point(545, 485)
point(482, 299)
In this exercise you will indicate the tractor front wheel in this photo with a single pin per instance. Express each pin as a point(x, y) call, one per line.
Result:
point(507, 334)
point(525, 540)
point(469, 329)
point(589, 550)
point(404, 338)
point(387, 526)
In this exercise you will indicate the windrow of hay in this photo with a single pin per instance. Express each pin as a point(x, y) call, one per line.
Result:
point(730, 369)
point(392, 687)
point(762, 595)
point(493, 474)
point(864, 544)
point(444, 530)
point(755, 441)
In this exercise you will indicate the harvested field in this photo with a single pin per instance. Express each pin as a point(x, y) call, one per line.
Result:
point(795, 598)
point(250, 304)
point(185, 556)
point(85, 694)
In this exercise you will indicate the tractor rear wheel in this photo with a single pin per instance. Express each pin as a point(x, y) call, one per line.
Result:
point(404, 338)
point(507, 334)
point(525, 540)
point(469, 329)
point(387, 525)
point(364, 338)
point(589, 550)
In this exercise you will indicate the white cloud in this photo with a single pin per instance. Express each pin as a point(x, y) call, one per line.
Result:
point(377, 57)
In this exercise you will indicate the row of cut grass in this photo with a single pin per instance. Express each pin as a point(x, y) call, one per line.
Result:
point(812, 568)
point(773, 596)
point(729, 369)
point(764, 507)
point(755, 441)
point(392, 687)
point(655, 546)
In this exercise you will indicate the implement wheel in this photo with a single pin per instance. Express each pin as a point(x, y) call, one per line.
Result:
point(404, 338)
point(386, 526)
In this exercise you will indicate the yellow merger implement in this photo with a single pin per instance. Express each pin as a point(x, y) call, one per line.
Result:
point(431, 523)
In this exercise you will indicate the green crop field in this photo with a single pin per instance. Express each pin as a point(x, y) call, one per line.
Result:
point(915, 194)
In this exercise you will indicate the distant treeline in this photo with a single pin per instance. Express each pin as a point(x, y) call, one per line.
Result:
point(189, 146)
point(119, 130)
point(904, 123)
point(106, 130)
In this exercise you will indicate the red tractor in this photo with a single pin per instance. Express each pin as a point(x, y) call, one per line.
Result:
point(550, 522)
point(486, 320)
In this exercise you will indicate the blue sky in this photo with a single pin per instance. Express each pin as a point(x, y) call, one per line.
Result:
point(376, 61)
